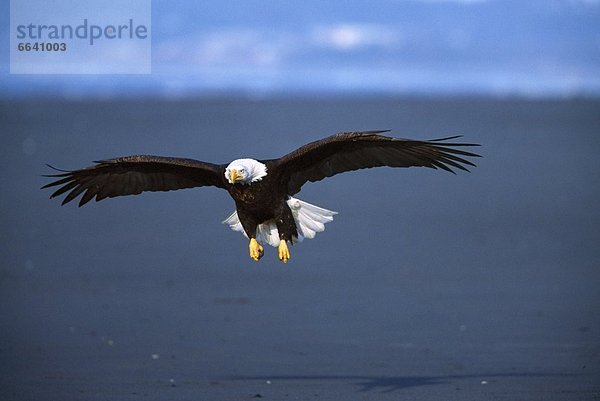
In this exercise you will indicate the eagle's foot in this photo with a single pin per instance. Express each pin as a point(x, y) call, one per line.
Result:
point(256, 250)
point(284, 252)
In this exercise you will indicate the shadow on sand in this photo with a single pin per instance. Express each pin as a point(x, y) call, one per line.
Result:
point(390, 384)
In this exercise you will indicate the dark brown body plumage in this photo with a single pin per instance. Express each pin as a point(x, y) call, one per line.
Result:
point(262, 201)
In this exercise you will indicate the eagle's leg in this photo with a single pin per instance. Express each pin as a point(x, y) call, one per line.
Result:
point(256, 249)
point(286, 226)
point(249, 223)
point(284, 252)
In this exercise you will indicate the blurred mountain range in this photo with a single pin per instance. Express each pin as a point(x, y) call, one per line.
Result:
point(496, 47)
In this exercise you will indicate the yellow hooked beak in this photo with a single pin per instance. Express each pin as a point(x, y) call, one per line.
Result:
point(234, 176)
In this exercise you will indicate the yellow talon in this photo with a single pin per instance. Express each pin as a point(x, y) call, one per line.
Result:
point(284, 252)
point(256, 250)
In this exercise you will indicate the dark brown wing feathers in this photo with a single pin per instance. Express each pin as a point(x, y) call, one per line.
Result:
point(312, 162)
point(132, 175)
point(358, 150)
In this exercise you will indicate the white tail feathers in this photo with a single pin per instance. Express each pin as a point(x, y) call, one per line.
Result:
point(310, 220)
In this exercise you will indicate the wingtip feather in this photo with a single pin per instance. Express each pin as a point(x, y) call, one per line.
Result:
point(58, 169)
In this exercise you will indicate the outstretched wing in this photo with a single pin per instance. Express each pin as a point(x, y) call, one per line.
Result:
point(349, 151)
point(132, 175)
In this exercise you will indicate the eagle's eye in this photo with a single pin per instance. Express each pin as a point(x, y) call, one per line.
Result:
point(242, 170)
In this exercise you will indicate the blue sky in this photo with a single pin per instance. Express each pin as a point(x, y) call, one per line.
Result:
point(497, 47)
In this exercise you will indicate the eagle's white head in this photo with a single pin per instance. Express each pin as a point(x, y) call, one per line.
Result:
point(245, 171)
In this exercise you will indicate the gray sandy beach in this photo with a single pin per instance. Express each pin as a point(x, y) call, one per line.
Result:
point(427, 286)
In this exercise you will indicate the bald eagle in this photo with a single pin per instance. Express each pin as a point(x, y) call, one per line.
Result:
point(266, 211)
